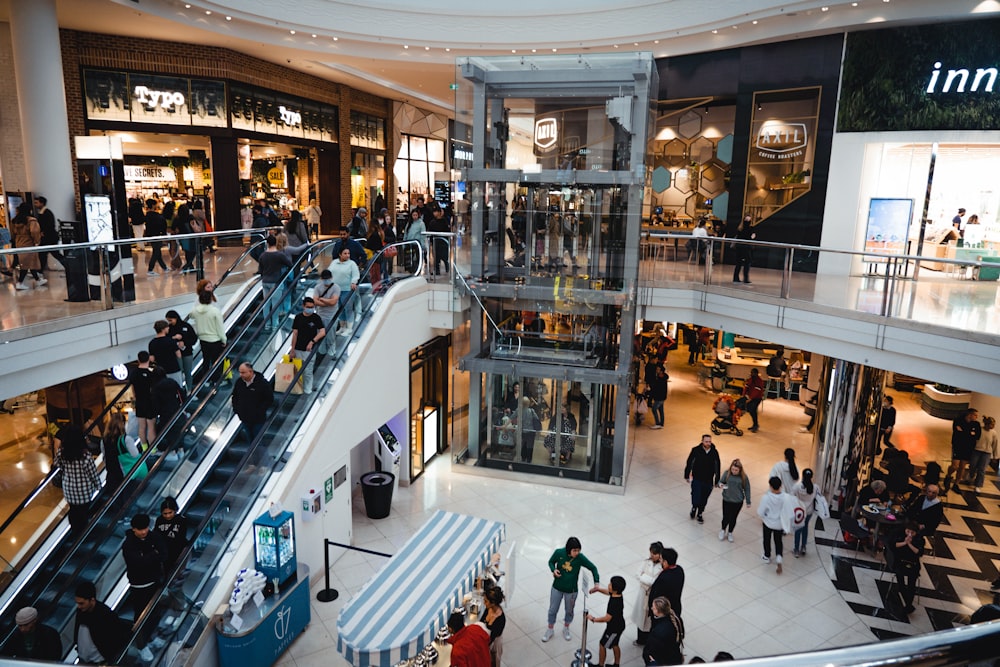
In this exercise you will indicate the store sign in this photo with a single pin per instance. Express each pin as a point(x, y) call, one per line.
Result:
point(777, 140)
point(289, 117)
point(134, 172)
point(461, 154)
point(959, 78)
point(276, 176)
point(165, 99)
point(546, 133)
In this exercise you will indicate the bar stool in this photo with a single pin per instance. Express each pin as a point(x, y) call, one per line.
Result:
point(773, 388)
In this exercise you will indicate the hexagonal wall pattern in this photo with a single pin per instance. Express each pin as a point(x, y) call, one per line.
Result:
point(682, 180)
point(713, 177)
point(702, 150)
point(724, 149)
point(675, 153)
point(689, 125)
point(661, 180)
point(691, 205)
point(720, 206)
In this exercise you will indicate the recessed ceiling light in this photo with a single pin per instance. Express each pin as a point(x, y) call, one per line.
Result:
point(187, 6)
point(208, 12)
point(534, 50)
point(824, 9)
point(755, 22)
point(406, 46)
point(656, 41)
point(336, 38)
point(616, 46)
point(229, 18)
point(715, 32)
point(314, 36)
point(291, 32)
point(635, 43)
point(513, 50)
point(554, 50)
point(427, 48)
point(854, 4)
point(448, 50)
point(735, 27)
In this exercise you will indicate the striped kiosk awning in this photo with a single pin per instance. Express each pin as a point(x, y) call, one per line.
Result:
point(399, 611)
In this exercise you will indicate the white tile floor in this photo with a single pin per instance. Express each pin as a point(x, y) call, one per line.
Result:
point(731, 600)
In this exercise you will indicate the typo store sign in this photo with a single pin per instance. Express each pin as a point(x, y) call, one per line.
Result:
point(148, 98)
point(931, 77)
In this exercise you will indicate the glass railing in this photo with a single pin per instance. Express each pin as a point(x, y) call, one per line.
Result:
point(113, 275)
point(35, 518)
point(952, 293)
point(200, 442)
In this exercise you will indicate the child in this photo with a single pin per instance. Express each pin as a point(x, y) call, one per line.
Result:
point(615, 619)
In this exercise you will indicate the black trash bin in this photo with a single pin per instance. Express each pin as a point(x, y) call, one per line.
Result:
point(376, 487)
point(77, 284)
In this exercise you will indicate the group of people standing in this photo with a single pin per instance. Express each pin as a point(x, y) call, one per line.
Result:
point(30, 227)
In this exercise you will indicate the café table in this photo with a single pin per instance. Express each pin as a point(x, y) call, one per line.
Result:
point(882, 517)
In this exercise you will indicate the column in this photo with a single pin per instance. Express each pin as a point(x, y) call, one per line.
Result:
point(42, 101)
point(226, 182)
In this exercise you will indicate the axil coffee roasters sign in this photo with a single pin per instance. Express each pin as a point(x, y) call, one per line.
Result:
point(779, 140)
point(546, 133)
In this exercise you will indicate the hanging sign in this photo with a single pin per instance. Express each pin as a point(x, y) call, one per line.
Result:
point(546, 133)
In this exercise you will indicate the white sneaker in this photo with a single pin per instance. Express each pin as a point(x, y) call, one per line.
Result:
point(548, 635)
point(722, 534)
point(566, 633)
point(729, 537)
point(20, 286)
point(40, 282)
point(146, 654)
point(765, 559)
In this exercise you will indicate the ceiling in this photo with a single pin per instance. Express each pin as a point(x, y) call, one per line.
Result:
point(406, 49)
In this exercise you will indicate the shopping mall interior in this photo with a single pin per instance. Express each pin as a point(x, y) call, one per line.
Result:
point(460, 427)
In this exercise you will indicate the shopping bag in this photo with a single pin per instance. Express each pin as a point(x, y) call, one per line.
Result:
point(128, 460)
point(284, 375)
point(227, 369)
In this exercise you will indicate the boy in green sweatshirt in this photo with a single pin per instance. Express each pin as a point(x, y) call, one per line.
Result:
point(565, 566)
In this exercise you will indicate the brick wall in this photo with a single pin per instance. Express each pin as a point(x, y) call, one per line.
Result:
point(80, 49)
point(12, 167)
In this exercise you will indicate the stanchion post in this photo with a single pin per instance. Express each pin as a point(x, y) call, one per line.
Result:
point(327, 594)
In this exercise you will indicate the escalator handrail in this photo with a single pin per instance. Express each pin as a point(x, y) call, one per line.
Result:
point(115, 498)
point(252, 451)
point(55, 470)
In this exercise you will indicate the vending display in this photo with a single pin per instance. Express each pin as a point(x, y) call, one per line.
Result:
point(274, 546)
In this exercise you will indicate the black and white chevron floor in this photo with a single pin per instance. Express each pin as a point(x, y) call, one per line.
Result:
point(955, 574)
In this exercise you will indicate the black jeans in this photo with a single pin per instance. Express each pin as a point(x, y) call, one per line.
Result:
point(752, 405)
point(156, 257)
point(742, 262)
point(768, 532)
point(700, 491)
point(908, 576)
point(729, 513)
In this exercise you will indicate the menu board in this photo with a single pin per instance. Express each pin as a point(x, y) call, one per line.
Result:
point(888, 225)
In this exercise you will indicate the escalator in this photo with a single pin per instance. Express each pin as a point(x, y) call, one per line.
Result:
point(37, 519)
point(203, 459)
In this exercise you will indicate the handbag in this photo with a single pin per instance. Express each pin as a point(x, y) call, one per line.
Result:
point(127, 460)
point(284, 375)
point(391, 251)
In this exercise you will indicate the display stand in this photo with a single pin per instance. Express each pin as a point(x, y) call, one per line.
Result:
point(265, 627)
point(274, 546)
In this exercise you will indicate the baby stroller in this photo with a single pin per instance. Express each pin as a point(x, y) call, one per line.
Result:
point(727, 414)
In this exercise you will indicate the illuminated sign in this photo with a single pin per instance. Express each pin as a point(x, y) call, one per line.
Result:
point(289, 117)
point(135, 172)
point(462, 154)
point(546, 133)
point(777, 140)
point(164, 98)
point(959, 78)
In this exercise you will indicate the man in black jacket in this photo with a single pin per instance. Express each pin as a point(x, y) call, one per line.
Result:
point(100, 635)
point(252, 397)
point(145, 554)
point(926, 510)
point(702, 472)
point(184, 334)
point(670, 582)
point(33, 640)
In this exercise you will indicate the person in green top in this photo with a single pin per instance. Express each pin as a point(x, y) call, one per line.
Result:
point(565, 567)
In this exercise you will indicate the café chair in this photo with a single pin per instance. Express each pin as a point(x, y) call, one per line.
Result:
point(850, 526)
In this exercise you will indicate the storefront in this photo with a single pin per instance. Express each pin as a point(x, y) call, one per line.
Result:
point(917, 145)
point(421, 141)
point(368, 173)
point(177, 132)
point(746, 132)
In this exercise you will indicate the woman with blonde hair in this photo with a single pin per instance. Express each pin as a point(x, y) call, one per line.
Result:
point(735, 485)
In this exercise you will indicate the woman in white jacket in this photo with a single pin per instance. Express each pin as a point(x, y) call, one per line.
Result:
point(775, 511)
point(804, 493)
point(648, 571)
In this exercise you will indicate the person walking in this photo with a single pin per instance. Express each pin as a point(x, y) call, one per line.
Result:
point(702, 472)
point(26, 233)
point(987, 448)
point(33, 640)
point(141, 378)
point(565, 564)
point(345, 274)
point(804, 492)
point(80, 481)
point(165, 352)
point(965, 433)
point(145, 555)
point(312, 214)
point(50, 235)
point(649, 570)
point(735, 485)
point(156, 225)
point(307, 332)
point(776, 518)
point(786, 470)
point(753, 391)
point(669, 582)
point(206, 320)
point(657, 396)
point(887, 421)
point(100, 635)
point(252, 398)
point(273, 265)
point(743, 251)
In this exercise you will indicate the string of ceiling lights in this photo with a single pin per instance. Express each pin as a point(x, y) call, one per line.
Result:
point(406, 47)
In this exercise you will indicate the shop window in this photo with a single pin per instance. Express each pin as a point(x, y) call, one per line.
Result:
point(418, 160)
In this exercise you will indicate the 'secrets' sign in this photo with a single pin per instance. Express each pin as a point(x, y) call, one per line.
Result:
point(164, 98)
point(546, 133)
point(289, 117)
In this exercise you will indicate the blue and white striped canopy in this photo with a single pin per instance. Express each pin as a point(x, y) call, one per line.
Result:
point(399, 611)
